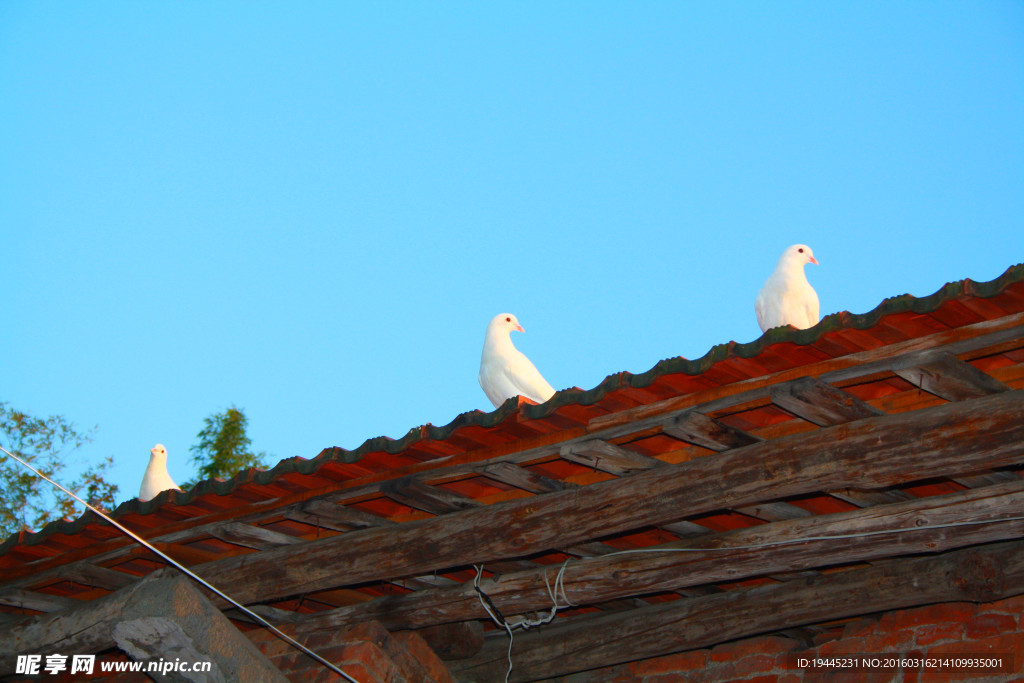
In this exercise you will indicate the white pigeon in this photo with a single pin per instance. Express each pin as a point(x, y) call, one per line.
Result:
point(156, 478)
point(504, 370)
point(787, 298)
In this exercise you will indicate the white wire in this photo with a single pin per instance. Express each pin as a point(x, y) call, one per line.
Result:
point(523, 622)
point(280, 634)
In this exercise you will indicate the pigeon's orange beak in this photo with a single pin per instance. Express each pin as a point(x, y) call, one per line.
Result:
point(520, 328)
point(814, 260)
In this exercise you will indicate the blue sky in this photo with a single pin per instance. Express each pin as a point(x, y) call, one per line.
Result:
point(311, 210)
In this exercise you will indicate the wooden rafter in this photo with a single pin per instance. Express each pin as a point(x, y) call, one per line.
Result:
point(855, 536)
point(608, 457)
point(821, 403)
point(950, 439)
point(948, 377)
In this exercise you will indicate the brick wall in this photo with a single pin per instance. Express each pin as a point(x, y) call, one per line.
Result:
point(367, 652)
point(950, 629)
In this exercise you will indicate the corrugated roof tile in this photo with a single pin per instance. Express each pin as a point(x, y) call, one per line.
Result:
point(955, 304)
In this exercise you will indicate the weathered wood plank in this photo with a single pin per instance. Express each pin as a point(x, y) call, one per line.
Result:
point(592, 549)
point(608, 457)
point(432, 499)
point(973, 574)
point(863, 498)
point(99, 577)
point(944, 440)
point(34, 600)
point(774, 511)
point(313, 520)
point(697, 428)
point(343, 515)
point(986, 479)
point(252, 536)
point(523, 478)
point(618, 576)
point(948, 377)
point(821, 403)
point(686, 529)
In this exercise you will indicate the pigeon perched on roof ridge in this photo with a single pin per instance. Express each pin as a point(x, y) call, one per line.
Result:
point(787, 298)
point(156, 478)
point(504, 370)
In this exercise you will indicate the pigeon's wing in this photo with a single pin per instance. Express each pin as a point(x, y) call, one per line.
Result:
point(760, 307)
point(153, 482)
point(812, 307)
point(496, 384)
point(526, 380)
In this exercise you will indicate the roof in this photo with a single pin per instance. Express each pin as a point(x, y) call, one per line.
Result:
point(775, 432)
point(896, 319)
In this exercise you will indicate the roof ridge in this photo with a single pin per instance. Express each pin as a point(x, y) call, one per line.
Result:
point(678, 365)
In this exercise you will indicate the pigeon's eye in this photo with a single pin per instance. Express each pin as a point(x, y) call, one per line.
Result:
point(800, 250)
point(508, 320)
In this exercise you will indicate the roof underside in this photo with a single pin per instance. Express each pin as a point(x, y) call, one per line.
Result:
point(827, 431)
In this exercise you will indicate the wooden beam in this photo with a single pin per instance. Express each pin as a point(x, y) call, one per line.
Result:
point(686, 529)
point(99, 577)
point(134, 618)
point(520, 477)
point(774, 511)
point(973, 574)
point(313, 520)
point(35, 600)
point(948, 377)
point(252, 536)
point(986, 478)
point(608, 457)
point(697, 428)
point(863, 498)
point(432, 499)
point(821, 403)
point(605, 578)
point(343, 515)
point(944, 440)
point(592, 549)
